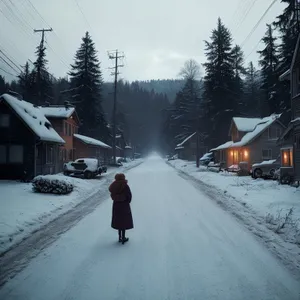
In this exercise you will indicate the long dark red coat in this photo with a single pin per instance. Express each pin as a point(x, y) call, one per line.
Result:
point(121, 211)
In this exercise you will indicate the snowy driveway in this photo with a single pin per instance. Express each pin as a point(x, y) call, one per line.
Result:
point(183, 247)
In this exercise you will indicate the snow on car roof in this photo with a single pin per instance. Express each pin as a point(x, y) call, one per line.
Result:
point(266, 162)
point(206, 156)
point(91, 141)
point(57, 111)
point(189, 137)
point(246, 124)
point(34, 119)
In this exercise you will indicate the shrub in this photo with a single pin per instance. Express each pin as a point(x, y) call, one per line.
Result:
point(52, 185)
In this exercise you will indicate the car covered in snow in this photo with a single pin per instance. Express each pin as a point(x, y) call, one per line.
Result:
point(206, 159)
point(88, 167)
point(265, 169)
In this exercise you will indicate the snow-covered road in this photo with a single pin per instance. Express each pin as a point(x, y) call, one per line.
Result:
point(183, 247)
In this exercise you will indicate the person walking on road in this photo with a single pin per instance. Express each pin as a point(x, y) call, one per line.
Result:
point(121, 212)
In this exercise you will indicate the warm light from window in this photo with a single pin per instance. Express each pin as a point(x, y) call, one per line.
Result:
point(246, 154)
point(285, 158)
point(231, 153)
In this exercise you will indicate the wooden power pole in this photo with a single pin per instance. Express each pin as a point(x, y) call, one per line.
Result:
point(116, 56)
point(38, 77)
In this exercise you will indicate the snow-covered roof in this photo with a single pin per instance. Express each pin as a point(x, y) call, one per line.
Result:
point(285, 75)
point(91, 141)
point(189, 137)
point(246, 124)
point(119, 148)
point(223, 146)
point(250, 136)
point(57, 111)
point(128, 147)
point(34, 118)
point(259, 128)
point(179, 148)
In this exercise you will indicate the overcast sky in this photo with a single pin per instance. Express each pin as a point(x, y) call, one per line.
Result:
point(157, 36)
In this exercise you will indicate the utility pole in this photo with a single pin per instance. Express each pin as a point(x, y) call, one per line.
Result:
point(116, 56)
point(43, 34)
point(38, 77)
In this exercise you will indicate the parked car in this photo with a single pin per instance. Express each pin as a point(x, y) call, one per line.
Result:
point(88, 167)
point(173, 157)
point(206, 159)
point(266, 169)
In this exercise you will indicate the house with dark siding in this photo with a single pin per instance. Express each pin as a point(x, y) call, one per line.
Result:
point(29, 145)
point(253, 140)
point(290, 140)
point(187, 149)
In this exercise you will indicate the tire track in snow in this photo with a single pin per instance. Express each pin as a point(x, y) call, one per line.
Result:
point(19, 255)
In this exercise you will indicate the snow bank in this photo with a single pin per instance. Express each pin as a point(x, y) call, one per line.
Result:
point(264, 197)
point(23, 211)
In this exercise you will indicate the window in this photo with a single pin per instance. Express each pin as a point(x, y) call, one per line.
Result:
point(4, 120)
point(271, 133)
point(287, 157)
point(3, 154)
point(49, 154)
point(16, 154)
point(267, 154)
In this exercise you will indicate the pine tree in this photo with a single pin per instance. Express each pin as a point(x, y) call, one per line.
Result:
point(86, 83)
point(251, 103)
point(220, 98)
point(288, 26)
point(42, 84)
point(4, 86)
point(268, 62)
point(26, 83)
point(239, 71)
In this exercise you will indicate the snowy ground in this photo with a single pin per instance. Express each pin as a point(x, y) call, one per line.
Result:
point(23, 211)
point(265, 201)
point(183, 246)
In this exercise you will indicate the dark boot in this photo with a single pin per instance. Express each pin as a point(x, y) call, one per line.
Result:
point(124, 239)
point(120, 236)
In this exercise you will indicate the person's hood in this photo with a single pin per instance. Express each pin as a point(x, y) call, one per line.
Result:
point(117, 187)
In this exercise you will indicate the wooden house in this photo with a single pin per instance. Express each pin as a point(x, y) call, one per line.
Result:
point(65, 121)
point(187, 149)
point(29, 145)
point(290, 140)
point(89, 147)
point(253, 140)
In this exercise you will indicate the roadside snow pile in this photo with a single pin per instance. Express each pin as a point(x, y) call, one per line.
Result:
point(278, 206)
point(52, 184)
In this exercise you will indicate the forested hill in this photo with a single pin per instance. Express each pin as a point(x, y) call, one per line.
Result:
point(165, 86)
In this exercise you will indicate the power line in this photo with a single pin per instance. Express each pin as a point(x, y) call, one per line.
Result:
point(8, 72)
point(30, 3)
point(245, 16)
point(8, 64)
point(10, 60)
point(259, 21)
point(253, 49)
point(82, 13)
